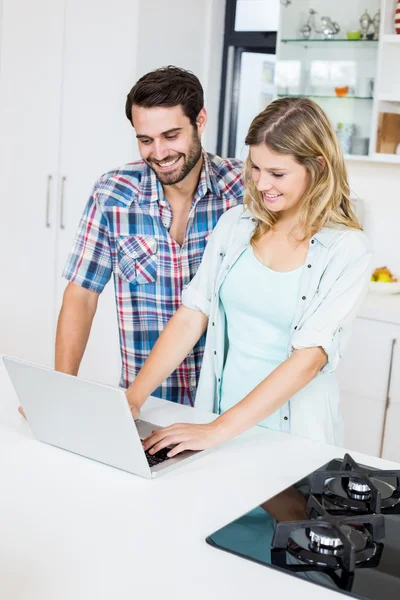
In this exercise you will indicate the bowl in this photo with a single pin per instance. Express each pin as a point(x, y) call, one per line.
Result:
point(353, 35)
point(383, 287)
point(341, 91)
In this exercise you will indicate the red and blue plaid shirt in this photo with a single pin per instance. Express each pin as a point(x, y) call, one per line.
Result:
point(124, 231)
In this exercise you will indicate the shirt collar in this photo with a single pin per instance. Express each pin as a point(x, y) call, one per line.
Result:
point(210, 177)
point(326, 236)
point(151, 189)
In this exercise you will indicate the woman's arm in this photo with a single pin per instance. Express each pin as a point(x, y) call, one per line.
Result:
point(272, 393)
point(181, 333)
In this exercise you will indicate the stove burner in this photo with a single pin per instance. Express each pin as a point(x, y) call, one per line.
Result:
point(357, 489)
point(322, 539)
point(357, 486)
point(330, 541)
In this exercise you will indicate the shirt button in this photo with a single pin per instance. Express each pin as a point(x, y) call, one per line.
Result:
point(219, 380)
point(312, 241)
point(303, 297)
point(227, 267)
point(340, 328)
point(285, 418)
point(295, 326)
point(213, 324)
point(215, 352)
point(165, 223)
point(191, 389)
point(309, 266)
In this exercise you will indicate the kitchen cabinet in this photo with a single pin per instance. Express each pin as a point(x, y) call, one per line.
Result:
point(369, 381)
point(354, 80)
point(391, 439)
point(66, 67)
point(31, 49)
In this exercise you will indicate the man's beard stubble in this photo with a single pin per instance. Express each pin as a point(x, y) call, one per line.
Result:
point(189, 162)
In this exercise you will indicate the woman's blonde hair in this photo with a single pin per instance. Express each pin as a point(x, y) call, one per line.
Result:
point(300, 128)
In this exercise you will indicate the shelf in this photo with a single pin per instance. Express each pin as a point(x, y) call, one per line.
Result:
point(392, 38)
point(373, 158)
point(320, 42)
point(386, 158)
point(357, 157)
point(323, 96)
point(389, 98)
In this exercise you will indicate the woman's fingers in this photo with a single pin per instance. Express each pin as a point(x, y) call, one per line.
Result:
point(165, 442)
point(177, 450)
point(159, 434)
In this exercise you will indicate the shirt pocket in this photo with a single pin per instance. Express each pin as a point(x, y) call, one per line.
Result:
point(137, 259)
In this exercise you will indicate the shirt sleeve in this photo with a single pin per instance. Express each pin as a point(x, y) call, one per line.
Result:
point(89, 263)
point(329, 326)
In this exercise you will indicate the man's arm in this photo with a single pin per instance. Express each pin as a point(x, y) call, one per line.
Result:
point(73, 327)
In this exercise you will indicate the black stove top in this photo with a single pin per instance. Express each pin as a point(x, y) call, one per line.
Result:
point(339, 527)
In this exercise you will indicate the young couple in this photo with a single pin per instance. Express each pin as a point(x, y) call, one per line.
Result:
point(276, 286)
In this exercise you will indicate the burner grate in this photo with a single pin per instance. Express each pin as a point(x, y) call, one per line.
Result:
point(339, 526)
point(360, 480)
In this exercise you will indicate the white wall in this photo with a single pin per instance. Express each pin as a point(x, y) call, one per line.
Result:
point(188, 34)
point(379, 187)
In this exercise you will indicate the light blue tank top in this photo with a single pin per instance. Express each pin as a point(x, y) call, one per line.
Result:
point(259, 305)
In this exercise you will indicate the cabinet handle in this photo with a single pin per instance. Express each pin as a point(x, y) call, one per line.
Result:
point(387, 396)
point(48, 193)
point(63, 180)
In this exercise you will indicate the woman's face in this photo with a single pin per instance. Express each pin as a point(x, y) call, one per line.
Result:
point(281, 180)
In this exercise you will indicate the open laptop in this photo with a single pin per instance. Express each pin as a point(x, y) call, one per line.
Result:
point(86, 418)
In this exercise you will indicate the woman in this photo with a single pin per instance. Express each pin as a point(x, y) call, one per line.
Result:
point(278, 288)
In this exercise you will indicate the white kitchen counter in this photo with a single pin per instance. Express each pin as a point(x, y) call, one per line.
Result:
point(74, 529)
point(381, 307)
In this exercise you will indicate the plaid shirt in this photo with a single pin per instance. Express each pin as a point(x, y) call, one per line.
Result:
point(124, 231)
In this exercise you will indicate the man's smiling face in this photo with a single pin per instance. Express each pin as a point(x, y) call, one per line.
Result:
point(167, 140)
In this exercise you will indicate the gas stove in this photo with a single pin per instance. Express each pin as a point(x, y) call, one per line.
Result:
point(339, 527)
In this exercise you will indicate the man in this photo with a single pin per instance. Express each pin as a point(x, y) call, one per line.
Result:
point(147, 224)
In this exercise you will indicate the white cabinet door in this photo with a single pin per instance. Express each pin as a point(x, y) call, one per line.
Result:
point(391, 443)
point(363, 375)
point(99, 71)
point(30, 90)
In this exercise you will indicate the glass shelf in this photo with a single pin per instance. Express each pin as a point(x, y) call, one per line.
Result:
point(324, 96)
point(321, 42)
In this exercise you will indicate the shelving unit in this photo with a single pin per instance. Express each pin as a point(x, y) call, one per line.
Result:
point(391, 38)
point(314, 67)
point(335, 97)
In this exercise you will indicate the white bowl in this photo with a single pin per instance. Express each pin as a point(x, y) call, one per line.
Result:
point(384, 287)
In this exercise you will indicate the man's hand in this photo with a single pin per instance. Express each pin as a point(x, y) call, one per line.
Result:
point(21, 411)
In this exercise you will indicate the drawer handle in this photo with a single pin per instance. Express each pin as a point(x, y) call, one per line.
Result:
point(387, 396)
point(48, 193)
point(63, 180)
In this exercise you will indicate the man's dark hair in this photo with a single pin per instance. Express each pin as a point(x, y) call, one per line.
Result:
point(168, 86)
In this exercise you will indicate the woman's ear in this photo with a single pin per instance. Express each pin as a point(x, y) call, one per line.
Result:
point(322, 163)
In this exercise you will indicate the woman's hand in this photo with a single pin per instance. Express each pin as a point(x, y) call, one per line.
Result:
point(184, 436)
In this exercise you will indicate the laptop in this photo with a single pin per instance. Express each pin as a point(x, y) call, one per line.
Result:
point(87, 418)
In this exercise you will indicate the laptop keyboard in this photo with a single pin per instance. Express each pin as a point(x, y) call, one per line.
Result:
point(159, 457)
